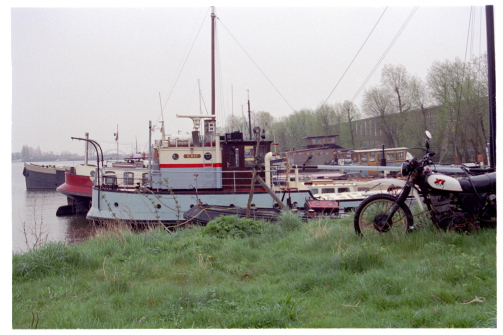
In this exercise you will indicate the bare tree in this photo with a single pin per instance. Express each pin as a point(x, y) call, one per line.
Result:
point(348, 112)
point(378, 104)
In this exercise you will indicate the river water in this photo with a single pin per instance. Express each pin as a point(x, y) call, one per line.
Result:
point(34, 219)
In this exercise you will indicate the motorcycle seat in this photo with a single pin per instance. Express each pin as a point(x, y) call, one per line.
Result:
point(482, 183)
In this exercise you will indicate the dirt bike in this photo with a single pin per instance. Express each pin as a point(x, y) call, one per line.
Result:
point(463, 204)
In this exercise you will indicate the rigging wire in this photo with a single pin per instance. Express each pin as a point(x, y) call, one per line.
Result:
point(385, 53)
point(270, 82)
point(354, 58)
point(469, 45)
point(182, 65)
point(220, 106)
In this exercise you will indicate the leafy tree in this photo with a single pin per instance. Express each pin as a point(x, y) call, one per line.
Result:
point(460, 89)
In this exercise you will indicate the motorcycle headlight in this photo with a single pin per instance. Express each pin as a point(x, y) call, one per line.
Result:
point(405, 169)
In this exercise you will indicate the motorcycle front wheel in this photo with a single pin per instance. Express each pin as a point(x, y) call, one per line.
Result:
point(371, 217)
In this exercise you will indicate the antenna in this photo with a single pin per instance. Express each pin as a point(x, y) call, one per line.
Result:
point(162, 120)
point(249, 115)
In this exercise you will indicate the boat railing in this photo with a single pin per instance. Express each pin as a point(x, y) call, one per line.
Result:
point(235, 181)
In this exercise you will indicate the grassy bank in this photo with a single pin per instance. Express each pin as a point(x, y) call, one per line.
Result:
point(286, 275)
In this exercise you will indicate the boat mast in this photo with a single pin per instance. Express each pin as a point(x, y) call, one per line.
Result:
point(117, 140)
point(213, 60)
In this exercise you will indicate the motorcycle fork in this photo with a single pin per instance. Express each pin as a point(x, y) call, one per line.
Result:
point(399, 201)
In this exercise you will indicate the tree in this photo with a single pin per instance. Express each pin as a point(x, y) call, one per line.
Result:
point(395, 79)
point(25, 153)
point(419, 118)
point(461, 89)
point(378, 104)
point(347, 112)
point(265, 121)
point(324, 120)
point(236, 123)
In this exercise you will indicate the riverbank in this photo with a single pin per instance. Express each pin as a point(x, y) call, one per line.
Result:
point(291, 274)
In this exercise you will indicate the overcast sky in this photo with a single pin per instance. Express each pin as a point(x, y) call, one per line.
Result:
point(79, 70)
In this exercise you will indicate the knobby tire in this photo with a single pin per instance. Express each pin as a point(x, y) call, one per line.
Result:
point(371, 217)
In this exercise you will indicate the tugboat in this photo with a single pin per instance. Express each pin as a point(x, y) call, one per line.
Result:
point(204, 168)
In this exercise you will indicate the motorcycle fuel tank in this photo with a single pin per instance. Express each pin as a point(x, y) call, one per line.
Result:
point(445, 183)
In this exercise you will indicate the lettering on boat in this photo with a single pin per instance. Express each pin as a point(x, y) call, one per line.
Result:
point(192, 156)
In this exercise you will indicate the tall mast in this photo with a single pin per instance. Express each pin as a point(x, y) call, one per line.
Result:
point(213, 60)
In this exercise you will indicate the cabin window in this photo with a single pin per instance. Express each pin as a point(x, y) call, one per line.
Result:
point(390, 156)
point(343, 190)
point(144, 178)
point(399, 156)
point(328, 190)
point(110, 179)
point(128, 178)
point(249, 156)
point(380, 155)
point(233, 157)
point(314, 191)
point(363, 157)
point(372, 156)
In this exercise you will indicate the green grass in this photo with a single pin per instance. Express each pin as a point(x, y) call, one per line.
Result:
point(318, 274)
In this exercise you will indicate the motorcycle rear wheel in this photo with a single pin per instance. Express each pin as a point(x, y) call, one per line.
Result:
point(371, 217)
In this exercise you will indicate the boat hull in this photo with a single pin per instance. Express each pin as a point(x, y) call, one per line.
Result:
point(167, 208)
point(43, 176)
point(202, 214)
point(78, 190)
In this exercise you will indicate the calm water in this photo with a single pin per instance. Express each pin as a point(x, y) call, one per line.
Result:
point(34, 214)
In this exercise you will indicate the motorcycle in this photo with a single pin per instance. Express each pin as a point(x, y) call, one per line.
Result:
point(463, 204)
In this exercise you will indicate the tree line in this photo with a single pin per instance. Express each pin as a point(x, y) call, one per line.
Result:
point(452, 103)
point(30, 154)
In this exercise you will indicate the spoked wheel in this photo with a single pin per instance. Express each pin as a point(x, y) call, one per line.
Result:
point(372, 217)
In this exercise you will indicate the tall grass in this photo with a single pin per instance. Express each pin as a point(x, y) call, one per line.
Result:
point(290, 274)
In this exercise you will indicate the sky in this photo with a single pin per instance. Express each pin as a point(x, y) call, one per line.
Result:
point(99, 70)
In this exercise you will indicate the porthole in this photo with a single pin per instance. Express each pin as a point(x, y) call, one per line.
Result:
point(207, 156)
point(158, 206)
point(175, 156)
point(116, 204)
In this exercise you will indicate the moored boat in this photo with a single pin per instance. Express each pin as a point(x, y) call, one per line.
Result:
point(204, 213)
point(203, 168)
point(206, 168)
point(39, 176)
point(79, 181)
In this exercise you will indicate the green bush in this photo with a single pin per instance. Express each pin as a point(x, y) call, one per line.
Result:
point(232, 226)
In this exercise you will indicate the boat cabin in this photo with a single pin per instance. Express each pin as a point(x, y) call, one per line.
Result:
point(206, 162)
